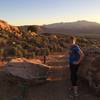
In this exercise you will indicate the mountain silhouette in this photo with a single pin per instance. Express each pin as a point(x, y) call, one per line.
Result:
point(78, 27)
point(73, 27)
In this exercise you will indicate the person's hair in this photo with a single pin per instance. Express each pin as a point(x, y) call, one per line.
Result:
point(71, 38)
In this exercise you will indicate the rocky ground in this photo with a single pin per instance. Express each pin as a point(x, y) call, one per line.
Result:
point(54, 89)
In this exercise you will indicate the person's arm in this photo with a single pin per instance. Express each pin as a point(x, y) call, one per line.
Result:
point(81, 57)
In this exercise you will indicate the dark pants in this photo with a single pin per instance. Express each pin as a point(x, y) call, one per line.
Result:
point(73, 74)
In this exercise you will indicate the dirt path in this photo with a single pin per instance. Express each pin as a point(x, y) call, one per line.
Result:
point(59, 89)
point(51, 90)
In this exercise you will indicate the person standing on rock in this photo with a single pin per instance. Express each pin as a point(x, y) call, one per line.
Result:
point(75, 57)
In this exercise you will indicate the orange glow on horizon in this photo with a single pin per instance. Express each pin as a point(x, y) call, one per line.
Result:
point(54, 20)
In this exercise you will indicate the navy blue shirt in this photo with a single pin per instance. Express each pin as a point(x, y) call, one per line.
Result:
point(74, 55)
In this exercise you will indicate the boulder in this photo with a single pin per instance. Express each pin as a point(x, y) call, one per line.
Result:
point(96, 72)
point(26, 60)
point(27, 70)
point(90, 67)
point(5, 26)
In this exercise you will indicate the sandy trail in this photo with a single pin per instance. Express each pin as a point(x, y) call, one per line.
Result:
point(51, 90)
point(59, 89)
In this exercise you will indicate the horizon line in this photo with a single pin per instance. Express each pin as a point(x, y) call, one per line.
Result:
point(11, 23)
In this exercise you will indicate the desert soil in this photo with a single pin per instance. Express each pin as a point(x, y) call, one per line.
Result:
point(54, 89)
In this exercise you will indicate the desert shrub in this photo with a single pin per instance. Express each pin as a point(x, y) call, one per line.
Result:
point(33, 28)
point(45, 52)
point(1, 52)
point(19, 53)
point(11, 51)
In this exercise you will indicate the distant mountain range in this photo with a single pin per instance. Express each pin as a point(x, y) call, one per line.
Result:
point(78, 27)
point(73, 27)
